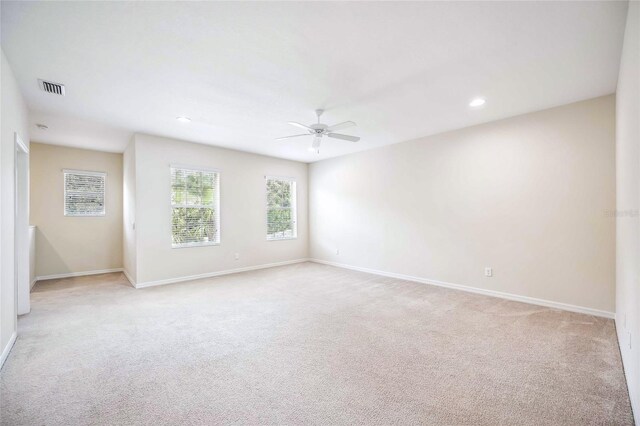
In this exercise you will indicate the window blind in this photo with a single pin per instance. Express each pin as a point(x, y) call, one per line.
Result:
point(281, 208)
point(195, 203)
point(84, 193)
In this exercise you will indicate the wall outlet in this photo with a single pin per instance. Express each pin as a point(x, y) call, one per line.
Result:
point(629, 340)
point(337, 251)
point(488, 272)
point(237, 256)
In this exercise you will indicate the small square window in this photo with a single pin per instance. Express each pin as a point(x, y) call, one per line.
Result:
point(84, 193)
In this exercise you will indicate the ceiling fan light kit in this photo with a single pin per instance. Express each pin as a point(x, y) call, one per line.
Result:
point(318, 130)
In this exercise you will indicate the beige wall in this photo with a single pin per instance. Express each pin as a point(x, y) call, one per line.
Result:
point(14, 118)
point(242, 206)
point(526, 196)
point(66, 244)
point(628, 205)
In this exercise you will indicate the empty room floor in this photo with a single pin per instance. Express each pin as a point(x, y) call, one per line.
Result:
point(305, 344)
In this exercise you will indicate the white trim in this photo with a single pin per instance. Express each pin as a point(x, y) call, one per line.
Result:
point(217, 273)
point(78, 274)
point(7, 349)
point(85, 172)
point(131, 280)
point(284, 178)
point(493, 293)
point(620, 334)
point(35, 280)
point(194, 168)
point(22, 254)
point(196, 244)
point(20, 144)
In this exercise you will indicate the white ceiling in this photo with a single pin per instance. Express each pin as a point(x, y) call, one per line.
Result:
point(401, 70)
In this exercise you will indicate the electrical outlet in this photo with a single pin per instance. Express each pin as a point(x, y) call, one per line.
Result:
point(237, 256)
point(337, 251)
point(488, 272)
point(629, 340)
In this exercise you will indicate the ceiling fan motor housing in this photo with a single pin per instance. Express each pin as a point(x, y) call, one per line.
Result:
point(319, 128)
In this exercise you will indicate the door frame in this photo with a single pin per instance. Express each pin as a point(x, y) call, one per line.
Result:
point(21, 226)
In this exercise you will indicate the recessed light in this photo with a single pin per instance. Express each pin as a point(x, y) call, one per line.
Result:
point(477, 102)
point(183, 119)
point(42, 126)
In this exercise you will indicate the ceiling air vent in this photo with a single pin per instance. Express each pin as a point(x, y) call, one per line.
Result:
point(50, 87)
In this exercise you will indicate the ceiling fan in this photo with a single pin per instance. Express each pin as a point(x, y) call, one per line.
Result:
point(318, 130)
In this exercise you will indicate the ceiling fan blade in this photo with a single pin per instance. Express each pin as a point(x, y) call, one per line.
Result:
point(341, 126)
point(344, 137)
point(292, 136)
point(302, 126)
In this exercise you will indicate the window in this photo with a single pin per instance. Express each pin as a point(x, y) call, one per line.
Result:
point(195, 205)
point(281, 208)
point(84, 193)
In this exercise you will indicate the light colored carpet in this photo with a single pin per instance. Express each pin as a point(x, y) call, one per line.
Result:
point(305, 344)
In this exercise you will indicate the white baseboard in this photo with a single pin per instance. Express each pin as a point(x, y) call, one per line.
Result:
point(493, 293)
point(78, 274)
point(131, 280)
point(623, 342)
point(7, 349)
point(216, 274)
point(35, 280)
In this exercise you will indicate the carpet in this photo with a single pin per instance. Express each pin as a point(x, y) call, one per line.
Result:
point(305, 344)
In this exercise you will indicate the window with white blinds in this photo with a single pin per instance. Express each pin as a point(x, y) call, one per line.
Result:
point(281, 208)
point(84, 193)
point(195, 204)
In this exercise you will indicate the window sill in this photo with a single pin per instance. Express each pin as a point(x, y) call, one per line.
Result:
point(192, 245)
point(282, 239)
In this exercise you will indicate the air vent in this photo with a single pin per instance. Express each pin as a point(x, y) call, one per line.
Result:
point(50, 87)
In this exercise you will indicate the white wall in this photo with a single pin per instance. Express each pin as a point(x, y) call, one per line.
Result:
point(242, 205)
point(13, 117)
point(628, 205)
point(32, 256)
point(129, 258)
point(526, 196)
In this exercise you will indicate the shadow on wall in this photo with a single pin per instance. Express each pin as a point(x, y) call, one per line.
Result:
point(46, 251)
